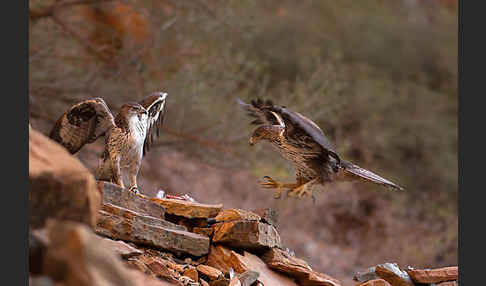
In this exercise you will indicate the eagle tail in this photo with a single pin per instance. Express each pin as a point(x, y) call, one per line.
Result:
point(350, 171)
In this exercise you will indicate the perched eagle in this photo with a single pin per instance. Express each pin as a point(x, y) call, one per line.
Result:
point(302, 142)
point(127, 136)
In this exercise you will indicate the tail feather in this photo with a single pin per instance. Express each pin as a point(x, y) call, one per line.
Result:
point(351, 171)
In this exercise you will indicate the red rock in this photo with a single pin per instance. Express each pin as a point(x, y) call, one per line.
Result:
point(251, 235)
point(116, 195)
point(203, 282)
point(223, 259)
point(136, 230)
point(188, 209)
point(434, 275)
point(60, 185)
point(132, 215)
point(236, 214)
point(208, 271)
point(191, 272)
point(375, 282)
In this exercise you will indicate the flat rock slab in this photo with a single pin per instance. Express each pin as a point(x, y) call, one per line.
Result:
point(188, 209)
point(375, 282)
point(210, 272)
point(236, 214)
point(139, 232)
point(247, 278)
point(253, 235)
point(116, 195)
point(132, 215)
point(434, 275)
point(121, 248)
point(280, 260)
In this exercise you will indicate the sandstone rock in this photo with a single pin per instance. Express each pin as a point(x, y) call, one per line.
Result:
point(210, 272)
point(139, 232)
point(434, 275)
point(132, 215)
point(236, 214)
point(375, 282)
point(60, 186)
point(207, 231)
point(121, 248)
point(75, 256)
point(116, 195)
point(191, 272)
point(280, 260)
point(248, 277)
point(251, 235)
point(188, 209)
point(223, 259)
point(393, 274)
point(318, 279)
point(266, 275)
point(268, 215)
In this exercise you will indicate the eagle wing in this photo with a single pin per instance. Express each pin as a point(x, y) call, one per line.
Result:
point(262, 112)
point(298, 124)
point(155, 105)
point(83, 123)
point(350, 171)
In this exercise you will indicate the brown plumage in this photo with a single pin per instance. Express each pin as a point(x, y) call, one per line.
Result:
point(127, 136)
point(302, 142)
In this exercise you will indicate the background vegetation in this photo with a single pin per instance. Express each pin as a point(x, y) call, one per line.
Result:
point(379, 77)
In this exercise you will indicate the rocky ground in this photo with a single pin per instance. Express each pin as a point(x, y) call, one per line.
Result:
point(84, 232)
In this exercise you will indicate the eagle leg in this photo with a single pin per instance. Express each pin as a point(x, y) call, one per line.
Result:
point(272, 184)
point(302, 190)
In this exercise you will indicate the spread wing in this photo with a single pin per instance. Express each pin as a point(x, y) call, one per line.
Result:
point(83, 123)
point(262, 112)
point(350, 171)
point(299, 125)
point(155, 105)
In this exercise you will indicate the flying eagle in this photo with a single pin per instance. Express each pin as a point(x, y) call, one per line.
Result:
point(127, 136)
point(302, 142)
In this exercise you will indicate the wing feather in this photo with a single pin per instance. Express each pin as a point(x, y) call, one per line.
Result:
point(351, 171)
point(82, 123)
point(261, 111)
point(155, 105)
point(299, 123)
